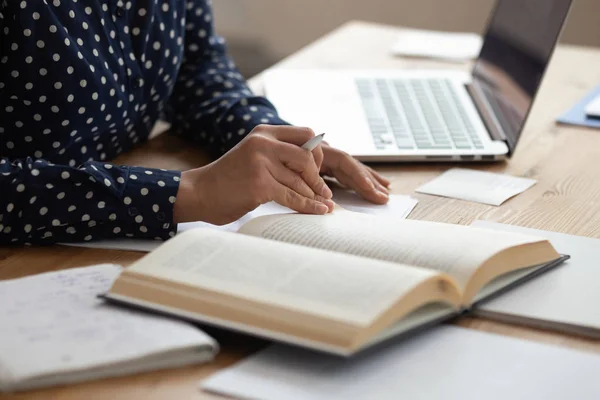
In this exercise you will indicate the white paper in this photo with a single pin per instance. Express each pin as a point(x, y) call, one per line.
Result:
point(477, 186)
point(433, 44)
point(398, 207)
point(444, 363)
point(149, 245)
point(593, 109)
point(54, 323)
point(569, 294)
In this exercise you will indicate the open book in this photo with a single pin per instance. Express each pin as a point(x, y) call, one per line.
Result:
point(342, 282)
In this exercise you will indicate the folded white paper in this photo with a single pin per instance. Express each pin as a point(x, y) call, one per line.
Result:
point(432, 44)
point(477, 186)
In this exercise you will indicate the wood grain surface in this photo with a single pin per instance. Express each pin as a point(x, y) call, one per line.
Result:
point(564, 160)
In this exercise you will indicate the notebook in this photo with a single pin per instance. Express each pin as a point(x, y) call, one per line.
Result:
point(56, 331)
point(593, 109)
point(448, 362)
point(578, 115)
point(338, 283)
point(566, 299)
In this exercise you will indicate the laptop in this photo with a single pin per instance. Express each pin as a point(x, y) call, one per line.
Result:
point(428, 115)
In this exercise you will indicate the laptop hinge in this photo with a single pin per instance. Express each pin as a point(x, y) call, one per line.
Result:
point(486, 112)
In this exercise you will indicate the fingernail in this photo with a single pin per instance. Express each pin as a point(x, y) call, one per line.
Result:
point(326, 192)
point(382, 188)
point(321, 208)
point(330, 205)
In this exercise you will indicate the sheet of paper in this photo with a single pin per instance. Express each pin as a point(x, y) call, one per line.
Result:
point(593, 109)
point(398, 207)
point(54, 322)
point(444, 363)
point(433, 44)
point(149, 245)
point(566, 295)
point(477, 186)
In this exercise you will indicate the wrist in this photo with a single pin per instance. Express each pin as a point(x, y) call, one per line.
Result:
point(185, 202)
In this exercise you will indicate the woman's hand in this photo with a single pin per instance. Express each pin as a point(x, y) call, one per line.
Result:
point(266, 165)
point(355, 175)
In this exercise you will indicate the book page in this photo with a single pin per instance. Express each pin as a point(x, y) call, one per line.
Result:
point(55, 323)
point(454, 249)
point(316, 282)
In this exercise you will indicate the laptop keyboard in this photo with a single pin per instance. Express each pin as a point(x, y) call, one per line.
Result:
point(412, 114)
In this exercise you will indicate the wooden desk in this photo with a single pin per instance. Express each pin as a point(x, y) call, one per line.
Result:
point(565, 161)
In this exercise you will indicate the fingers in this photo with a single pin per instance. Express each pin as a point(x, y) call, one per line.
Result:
point(303, 162)
point(297, 136)
point(290, 198)
point(356, 176)
point(295, 182)
point(289, 134)
point(379, 178)
point(318, 156)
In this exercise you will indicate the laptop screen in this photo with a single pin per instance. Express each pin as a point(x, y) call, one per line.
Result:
point(518, 45)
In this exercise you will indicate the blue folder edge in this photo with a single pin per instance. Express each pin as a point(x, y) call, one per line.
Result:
point(577, 116)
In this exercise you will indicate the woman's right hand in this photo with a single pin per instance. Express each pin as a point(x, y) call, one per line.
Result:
point(267, 165)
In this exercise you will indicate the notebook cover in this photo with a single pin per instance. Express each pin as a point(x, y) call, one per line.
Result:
point(577, 116)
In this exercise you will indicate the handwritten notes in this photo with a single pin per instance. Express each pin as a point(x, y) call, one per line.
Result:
point(54, 323)
point(477, 186)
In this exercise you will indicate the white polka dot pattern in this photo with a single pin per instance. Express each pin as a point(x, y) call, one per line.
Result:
point(82, 82)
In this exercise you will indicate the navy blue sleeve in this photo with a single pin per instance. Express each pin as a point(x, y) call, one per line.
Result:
point(211, 102)
point(43, 203)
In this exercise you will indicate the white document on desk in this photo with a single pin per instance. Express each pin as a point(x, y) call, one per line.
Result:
point(54, 329)
point(565, 299)
point(593, 109)
point(447, 362)
point(397, 207)
point(450, 46)
point(478, 186)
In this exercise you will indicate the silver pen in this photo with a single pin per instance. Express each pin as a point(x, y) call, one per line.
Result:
point(313, 143)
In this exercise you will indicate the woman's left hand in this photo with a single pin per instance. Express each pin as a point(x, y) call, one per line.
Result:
point(355, 175)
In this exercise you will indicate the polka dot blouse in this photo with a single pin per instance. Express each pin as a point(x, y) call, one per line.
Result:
point(83, 81)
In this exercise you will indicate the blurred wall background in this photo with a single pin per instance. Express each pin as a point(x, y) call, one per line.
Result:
point(261, 32)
